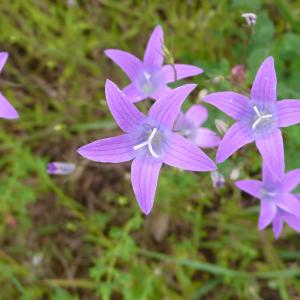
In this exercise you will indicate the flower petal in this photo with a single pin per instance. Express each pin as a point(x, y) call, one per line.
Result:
point(172, 73)
point(124, 112)
point(132, 93)
point(197, 114)
point(288, 112)
point(292, 221)
point(166, 110)
point(266, 215)
point(144, 177)
point(236, 137)
point(154, 51)
point(114, 149)
point(7, 111)
point(289, 203)
point(277, 225)
point(291, 180)
point(130, 64)
point(206, 138)
point(264, 85)
point(272, 151)
point(251, 187)
point(3, 59)
point(233, 104)
point(163, 91)
point(183, 154)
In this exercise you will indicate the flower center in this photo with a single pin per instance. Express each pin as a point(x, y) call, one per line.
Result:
point(148, 143)
point(261, 118)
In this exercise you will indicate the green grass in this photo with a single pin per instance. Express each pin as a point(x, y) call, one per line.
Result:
point(87, 229)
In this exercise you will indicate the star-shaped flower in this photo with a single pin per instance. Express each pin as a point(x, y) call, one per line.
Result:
point(188, 125)
point(149, 78)
point(257, 119)
point(148, 141)
point(277, 203)
point(6, 109)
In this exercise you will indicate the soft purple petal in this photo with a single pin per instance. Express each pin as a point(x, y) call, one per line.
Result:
point(233, 104)
point(297, 195)
point(163, 91)
point(264, 85)
point(114, 149)
point(166, 110)
point(144, 177)
point(236, 137)
point(124, 112)
point(130, 64)
point(3, 59)
point(267, 213)
point(277, 225)
point(268, 176)
point(251, 187)
point(291, 180)
point(183, 154)
point(172, 73)
point(197, 114)
point(288, 112)
point(272, 152)
point(289, 203)
point(154, 51)
point(206, 138)
point(292, 221)
point(132, 93)
point(7, 111)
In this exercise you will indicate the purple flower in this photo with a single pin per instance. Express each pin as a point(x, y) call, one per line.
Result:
point(258, 120)
point(60, 168)
point(6, 109)
point(149, 78)
point(188, 125)
point(148, 141)
point(277, 204)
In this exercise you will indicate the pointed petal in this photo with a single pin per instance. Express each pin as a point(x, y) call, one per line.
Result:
point(132, 93)
point(264, 85)
point(266, 215)
point(236, 137)
point(115, 149)
point(144, 177)
point(272, 151)
point(183, 154)
point(291, 180)
point(197, 114)
point(130, 64)
point(289, 203)
point(292, 221)
point(206, 138)
point(163, 91)
point(154, 51)
point(124, 112)
point(251, 187)
point(7, 111)
point(166, 110)
point(3, 59)
point(233, 104)
point(267, 175)
point(277, 225)
point(288, 112)
point(172, 73)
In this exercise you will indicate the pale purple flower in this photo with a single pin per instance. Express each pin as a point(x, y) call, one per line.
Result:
point(148, 141)
point(6, 109)
point(60, 168)
point(250, 18)
point(277, 203)
point(149, 78)
point(257, 119)
point(188, 125)
point(218, 179)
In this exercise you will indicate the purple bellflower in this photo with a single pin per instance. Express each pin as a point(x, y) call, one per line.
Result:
point(6, 109)
point(277, 203)
point(149, 78)
point(257, 119)
point(188, 125)
point(148, 141)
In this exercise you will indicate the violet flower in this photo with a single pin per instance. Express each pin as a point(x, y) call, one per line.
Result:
point(188, 125)
point(6, 109)
point(277, 203)
point(60, 168)
point(148, 141)
point(149, 78)
point(257, 120)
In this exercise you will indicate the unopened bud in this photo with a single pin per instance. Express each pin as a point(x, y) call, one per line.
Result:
point(60, 168)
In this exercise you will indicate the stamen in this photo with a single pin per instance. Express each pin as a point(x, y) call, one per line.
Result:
point(147, 76)
point(148, 143)
point(260, 117)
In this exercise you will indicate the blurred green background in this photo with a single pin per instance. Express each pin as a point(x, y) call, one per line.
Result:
point(82, 236)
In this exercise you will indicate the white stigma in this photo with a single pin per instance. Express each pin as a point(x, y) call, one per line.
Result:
point(260, 117)
point(147, 76)
point(148, 143)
